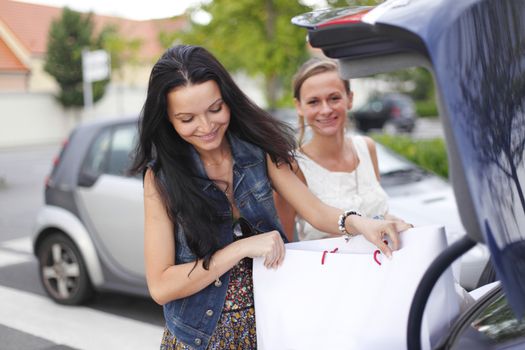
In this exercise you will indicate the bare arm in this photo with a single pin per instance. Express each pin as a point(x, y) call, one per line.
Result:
point(167, 281)
point(285, 211)
point(324, 217)
point(286, 214)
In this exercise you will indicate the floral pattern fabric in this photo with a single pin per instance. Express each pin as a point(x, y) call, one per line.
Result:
point(236, 327)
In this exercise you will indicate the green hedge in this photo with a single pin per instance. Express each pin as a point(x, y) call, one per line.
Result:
point(426, 109)
point(429, 154)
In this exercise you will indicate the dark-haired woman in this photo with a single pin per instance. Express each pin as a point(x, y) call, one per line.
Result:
point(211, 158)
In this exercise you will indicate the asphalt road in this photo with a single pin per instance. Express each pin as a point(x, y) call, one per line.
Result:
point(28, 318)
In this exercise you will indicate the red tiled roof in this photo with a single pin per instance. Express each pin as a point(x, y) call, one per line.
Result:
point(147, 31)
point(8, 60)
point(30, 23)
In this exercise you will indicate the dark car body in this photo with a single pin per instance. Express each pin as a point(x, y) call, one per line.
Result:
point(475, 50)
point(392, 111)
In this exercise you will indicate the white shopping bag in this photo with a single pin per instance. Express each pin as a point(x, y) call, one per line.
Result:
point(353, 298)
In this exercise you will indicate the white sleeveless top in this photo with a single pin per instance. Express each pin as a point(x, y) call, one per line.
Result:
point(357, 190)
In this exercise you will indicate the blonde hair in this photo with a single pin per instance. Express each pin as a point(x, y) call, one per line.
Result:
point(310, 68)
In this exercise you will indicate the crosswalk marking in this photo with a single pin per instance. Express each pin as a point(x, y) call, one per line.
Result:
point(15, 251)
point(10, 258)
point(75, 326)
point(22, 245)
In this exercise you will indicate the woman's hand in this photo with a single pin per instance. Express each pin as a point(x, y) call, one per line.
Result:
point(376, 230)
point(268, 245)
point(391, 217)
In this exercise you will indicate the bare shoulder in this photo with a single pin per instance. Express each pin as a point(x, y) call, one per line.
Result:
point(283, 171)
point(371, 145)
point(150, 184)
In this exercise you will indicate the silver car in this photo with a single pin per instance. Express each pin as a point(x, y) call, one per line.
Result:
point(89, 234)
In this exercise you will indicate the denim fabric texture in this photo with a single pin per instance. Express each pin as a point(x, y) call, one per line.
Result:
point(193, 319)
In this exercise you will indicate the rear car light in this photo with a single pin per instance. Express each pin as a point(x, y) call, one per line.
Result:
point(330, 17)
point(352, 18)
point(56, 161)
point(395, 112)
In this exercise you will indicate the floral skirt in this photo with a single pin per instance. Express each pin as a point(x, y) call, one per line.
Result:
point(236, 327)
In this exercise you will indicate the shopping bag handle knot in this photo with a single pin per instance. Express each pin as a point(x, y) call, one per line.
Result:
point(325, 252)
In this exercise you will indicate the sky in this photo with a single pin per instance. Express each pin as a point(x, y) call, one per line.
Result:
point(139, 10)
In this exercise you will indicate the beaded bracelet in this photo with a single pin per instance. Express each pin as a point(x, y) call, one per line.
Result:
point(341, 222)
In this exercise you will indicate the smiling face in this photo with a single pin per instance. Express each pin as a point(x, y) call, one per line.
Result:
point(323, 102)
point(199, 115)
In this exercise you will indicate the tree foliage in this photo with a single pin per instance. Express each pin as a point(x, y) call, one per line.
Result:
point(67, 36)
point(252, 36)
point(255, 37)
point(124, 51)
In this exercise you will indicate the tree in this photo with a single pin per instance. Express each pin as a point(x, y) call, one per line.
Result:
point(416, 82)
point(123, 51)
point(67, 36)
point(255, 37)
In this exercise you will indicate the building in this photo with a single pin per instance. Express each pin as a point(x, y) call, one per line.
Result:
point(24, 29)
point(27, 91)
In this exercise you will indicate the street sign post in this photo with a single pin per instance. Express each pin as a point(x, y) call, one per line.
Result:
point(96, 65)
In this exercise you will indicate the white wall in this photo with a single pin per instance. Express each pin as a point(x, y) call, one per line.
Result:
point(36, 118)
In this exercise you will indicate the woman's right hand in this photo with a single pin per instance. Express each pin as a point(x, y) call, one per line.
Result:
point(376, 230)
point(268, 245)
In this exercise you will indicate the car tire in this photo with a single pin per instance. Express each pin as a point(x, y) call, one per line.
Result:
point(62, 270)
point(390, 129)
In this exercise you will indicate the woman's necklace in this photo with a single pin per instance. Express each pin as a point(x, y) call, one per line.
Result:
point(222, 174)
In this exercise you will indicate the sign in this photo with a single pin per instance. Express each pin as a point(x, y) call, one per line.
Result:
point(96, 65)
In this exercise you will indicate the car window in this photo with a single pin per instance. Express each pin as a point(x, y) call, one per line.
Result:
point(122, 144)
point(494, 327)
point(499, 324)
point(95, 161)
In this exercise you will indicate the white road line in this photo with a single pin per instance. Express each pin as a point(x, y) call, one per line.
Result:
point(74, 326)
point(16, 251)
point(22, 245)
point(9, 258)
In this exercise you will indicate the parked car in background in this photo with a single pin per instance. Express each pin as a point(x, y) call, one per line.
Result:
point(391, 112)
point(475, 51)
point(89, 234)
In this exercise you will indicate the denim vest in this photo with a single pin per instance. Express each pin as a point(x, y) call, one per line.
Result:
point(193, 319)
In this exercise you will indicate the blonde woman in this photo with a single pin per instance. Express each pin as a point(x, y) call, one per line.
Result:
point(340, 170)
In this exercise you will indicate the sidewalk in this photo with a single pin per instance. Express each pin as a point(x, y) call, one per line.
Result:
point(428, 128)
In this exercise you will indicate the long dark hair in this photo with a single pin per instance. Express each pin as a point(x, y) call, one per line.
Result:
point(176, 178)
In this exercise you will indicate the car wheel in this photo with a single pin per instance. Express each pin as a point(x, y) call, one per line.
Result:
point(389, 129)
point(62, 271)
